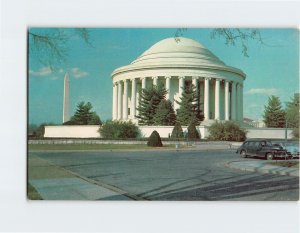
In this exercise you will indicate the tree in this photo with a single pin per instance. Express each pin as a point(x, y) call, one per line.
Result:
point(274, 115)
point(148, 103)
point(232, 36)
point(50, 46)
point(192, 131)
point(165, 114)
point(154, 140)
point(84, 115)
point(177, 131)
point(292, 114)
point(189, 107)
point(37, 131)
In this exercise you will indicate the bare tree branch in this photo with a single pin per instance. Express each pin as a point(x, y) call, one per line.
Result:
point(50, 46)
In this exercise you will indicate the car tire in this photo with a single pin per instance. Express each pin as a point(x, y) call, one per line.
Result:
point(243, 154)
point(269, 156)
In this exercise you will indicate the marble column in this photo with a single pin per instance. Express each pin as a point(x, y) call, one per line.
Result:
point(195, 84)
point(226, 100)
point(233, 101)
point(133, 98)
point(125, 100)
point(144, 83)
point(168, 82)
point(154, 81)
point(206, 99)
point(119, 101)
point(181, 85)
point(115, 103)
point(242, 103)
point(217, 99)
point(238, 102)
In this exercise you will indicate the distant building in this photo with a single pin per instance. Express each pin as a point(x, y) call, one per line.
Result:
point(174, 64)
point(254, 123)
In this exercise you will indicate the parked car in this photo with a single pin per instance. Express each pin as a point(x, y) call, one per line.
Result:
point(261, 148)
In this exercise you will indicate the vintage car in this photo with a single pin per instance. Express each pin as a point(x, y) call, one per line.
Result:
point(261, 148)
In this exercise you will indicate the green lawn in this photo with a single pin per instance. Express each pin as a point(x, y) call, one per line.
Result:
point(291, 164)
point(32, 147)
point(32, 194)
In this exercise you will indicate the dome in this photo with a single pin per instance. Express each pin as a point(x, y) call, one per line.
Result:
point(174, 45)
point(180, 53)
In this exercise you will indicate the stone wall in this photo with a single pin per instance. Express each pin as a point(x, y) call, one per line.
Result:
point(276, 133)
point(72, 131)
point(166, 131)
point(91, 131)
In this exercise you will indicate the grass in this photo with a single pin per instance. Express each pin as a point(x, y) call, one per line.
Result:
point(32, 194)
point(32, 147)
point(291, 164)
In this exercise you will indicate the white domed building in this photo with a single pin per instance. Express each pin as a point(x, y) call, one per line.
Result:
point(175, 63)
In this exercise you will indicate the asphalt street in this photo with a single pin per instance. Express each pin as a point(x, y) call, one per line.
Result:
point(176, 175)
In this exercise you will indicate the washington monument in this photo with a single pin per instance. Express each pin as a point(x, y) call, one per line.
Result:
point(66, 116)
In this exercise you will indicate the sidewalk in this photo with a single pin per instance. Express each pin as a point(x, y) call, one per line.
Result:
point(262, 167)
point(56, 183)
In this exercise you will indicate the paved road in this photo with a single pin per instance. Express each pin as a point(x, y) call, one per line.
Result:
point(171, 175)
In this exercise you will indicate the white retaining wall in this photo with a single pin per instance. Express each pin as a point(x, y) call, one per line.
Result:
point(268, 133)
point(166, 131)
point(91, 131)
point(72, 131)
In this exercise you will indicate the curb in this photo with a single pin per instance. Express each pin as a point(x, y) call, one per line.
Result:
point(134, 150)
point(262, 167)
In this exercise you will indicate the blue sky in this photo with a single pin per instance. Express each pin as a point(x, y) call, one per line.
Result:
point(271, 69)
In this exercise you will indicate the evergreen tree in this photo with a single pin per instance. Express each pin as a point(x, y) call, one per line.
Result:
point(148, 103)
point(165, 114)
point(274, 115)
point(292, 112)
point(177, 131)
point(292, 115)
point(154, 140)
point(192, 131)
point(189, 107)
point(84, 115)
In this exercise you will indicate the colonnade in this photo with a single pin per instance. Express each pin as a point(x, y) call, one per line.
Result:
point(233, 96)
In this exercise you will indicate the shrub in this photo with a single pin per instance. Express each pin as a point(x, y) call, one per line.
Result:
point(177, 131)
point(227, 131)
point(119, 130)
point(192, 131)
point(154, 140)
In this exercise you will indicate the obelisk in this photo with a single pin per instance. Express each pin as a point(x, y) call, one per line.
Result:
point(66, 116)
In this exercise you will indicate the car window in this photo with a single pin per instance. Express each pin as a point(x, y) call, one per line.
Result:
point(269, 144)
point(257, 144)
point(250, 144)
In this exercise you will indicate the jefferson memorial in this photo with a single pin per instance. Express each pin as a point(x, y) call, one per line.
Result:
point(175, 63)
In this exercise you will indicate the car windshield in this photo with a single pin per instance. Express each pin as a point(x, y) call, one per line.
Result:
point(292, 144)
